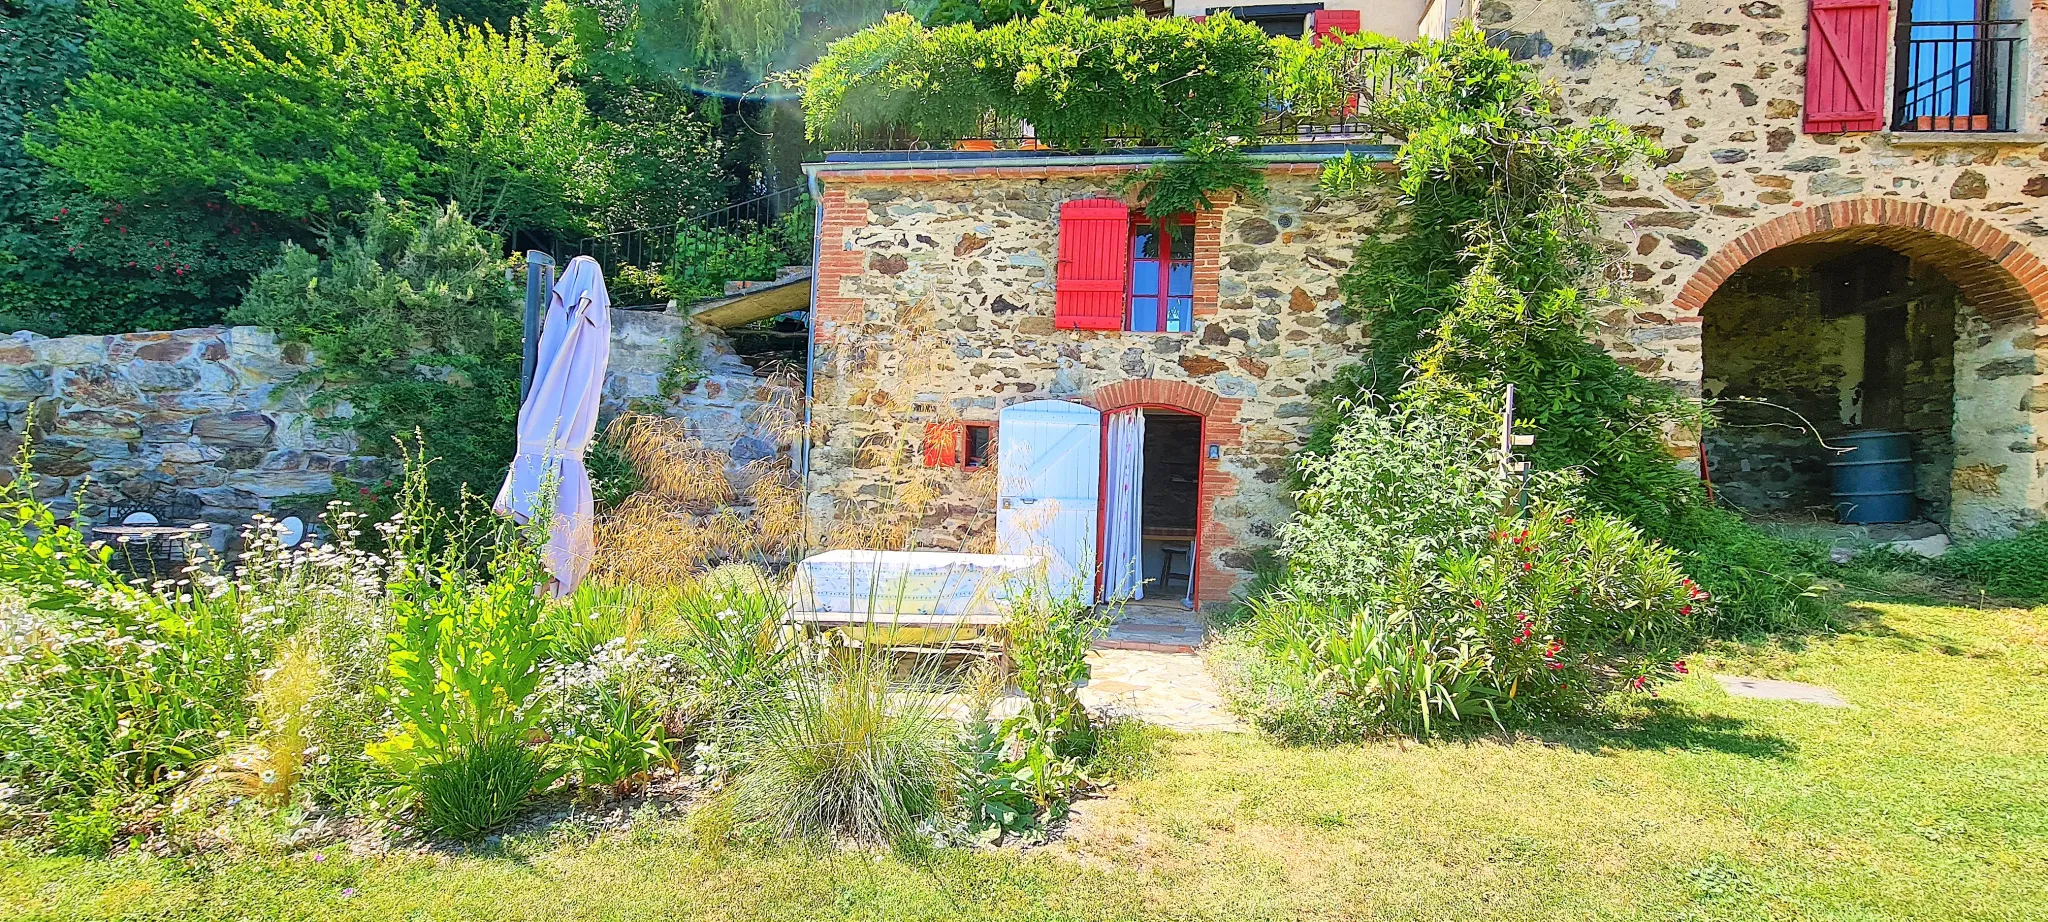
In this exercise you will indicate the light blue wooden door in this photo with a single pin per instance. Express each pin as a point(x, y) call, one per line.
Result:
point(1049, 454)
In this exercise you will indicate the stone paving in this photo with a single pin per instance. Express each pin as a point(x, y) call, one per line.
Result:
point(1172, 690)
point(1163, 627)
point(1780, 690)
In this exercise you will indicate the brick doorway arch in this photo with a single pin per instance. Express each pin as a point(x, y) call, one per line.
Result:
point(1998, 481)
point(1220, 427)
point(1994, 270)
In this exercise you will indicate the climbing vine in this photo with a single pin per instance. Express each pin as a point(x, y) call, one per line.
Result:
point(1078, 82)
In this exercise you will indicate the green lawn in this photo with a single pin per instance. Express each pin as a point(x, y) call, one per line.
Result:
point(1928, 800)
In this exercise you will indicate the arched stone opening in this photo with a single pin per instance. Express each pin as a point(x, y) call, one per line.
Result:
point(1877, 315)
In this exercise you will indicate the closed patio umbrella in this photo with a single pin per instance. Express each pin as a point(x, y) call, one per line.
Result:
point(559, 417)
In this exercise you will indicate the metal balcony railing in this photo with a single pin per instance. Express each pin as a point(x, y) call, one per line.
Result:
point(1962, 75)
point(1370, 73)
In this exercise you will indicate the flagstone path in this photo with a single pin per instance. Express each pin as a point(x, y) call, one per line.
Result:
point(1172, 690)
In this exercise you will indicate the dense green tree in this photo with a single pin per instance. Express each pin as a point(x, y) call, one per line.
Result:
point(305, 108)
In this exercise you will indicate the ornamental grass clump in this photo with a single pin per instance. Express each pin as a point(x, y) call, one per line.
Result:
point(846, 752)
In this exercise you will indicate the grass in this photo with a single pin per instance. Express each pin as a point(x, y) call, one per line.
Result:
point(1927, 800)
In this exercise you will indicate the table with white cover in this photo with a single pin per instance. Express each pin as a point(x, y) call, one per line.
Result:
point(909, 588)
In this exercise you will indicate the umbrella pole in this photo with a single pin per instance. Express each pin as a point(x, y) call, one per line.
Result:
point(540, 277)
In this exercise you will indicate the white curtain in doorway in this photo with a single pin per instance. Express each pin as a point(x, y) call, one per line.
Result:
point(1123, 546)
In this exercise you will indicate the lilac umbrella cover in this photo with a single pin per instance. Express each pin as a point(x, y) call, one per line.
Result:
point(559, 417)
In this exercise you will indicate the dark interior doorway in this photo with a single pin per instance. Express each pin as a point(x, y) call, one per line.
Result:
point(1811, 342)
point(1171, 502)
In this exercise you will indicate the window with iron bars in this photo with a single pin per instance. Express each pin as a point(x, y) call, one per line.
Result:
point(1960, 65)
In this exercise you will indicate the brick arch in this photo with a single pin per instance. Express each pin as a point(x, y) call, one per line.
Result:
point(1156, 392)
point(1220, 426)
point(1995, 271)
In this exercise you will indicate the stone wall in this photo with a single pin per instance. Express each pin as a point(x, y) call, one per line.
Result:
point(226, 422)
point(935, 303)
point(1721, 86)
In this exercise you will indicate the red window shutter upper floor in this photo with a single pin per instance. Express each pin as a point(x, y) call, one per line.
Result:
point(1094, 265)
point(1847, 48)
point(1328, 21)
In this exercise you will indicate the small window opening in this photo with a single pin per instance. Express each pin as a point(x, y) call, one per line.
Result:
point(980, 445)
point(1162, 275)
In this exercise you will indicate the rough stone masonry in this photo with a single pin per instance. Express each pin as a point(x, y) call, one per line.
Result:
point(228, 422)
point(1721, 86)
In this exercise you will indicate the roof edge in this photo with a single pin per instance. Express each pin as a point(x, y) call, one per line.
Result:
point(970, 161)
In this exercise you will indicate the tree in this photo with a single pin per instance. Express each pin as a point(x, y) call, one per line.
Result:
point(304, 108)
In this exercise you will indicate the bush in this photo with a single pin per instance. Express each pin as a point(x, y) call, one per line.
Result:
point(413, 318)
point(2014, 568)
point(707, 258)
point(1027, 769)
point(303, 109)
point(848, 752)
point(1418, 595)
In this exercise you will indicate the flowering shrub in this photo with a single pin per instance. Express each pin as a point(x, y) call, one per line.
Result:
point(1418, 595)
point(111, 688)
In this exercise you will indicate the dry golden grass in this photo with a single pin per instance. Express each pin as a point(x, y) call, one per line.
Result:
point(696, 508)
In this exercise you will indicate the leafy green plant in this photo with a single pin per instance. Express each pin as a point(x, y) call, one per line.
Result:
point(2014, 568)
point(413, 319)
point(1048, 637)
point(707, 258)
point(468, 656)
point(605, 715)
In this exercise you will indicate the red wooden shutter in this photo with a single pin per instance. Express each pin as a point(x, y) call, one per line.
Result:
point(1328, 21)
point(1846, 52)
point(941, 444)
point(1095, 265)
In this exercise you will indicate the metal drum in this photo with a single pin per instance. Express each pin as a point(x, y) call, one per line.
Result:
point(1874, 478)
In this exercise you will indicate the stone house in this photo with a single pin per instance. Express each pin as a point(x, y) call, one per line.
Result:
point(959, 296)
point(1842, 235)
point(1845, 225)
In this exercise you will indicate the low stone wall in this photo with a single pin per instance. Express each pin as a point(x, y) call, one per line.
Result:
point(222, 420)
point(226, 422)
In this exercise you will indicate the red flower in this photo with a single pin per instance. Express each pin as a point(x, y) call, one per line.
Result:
point(1679, 667)
point(1639, 682)
point(1554, 664)
point(1685, 609)
point(1478, 604)
point(363, 490)
point(1527, 566)
point(1567, 520)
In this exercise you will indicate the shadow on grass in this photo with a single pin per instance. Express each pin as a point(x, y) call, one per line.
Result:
point(1668, 725)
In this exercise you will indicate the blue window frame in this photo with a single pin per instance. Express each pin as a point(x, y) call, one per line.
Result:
point(1162, 275)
